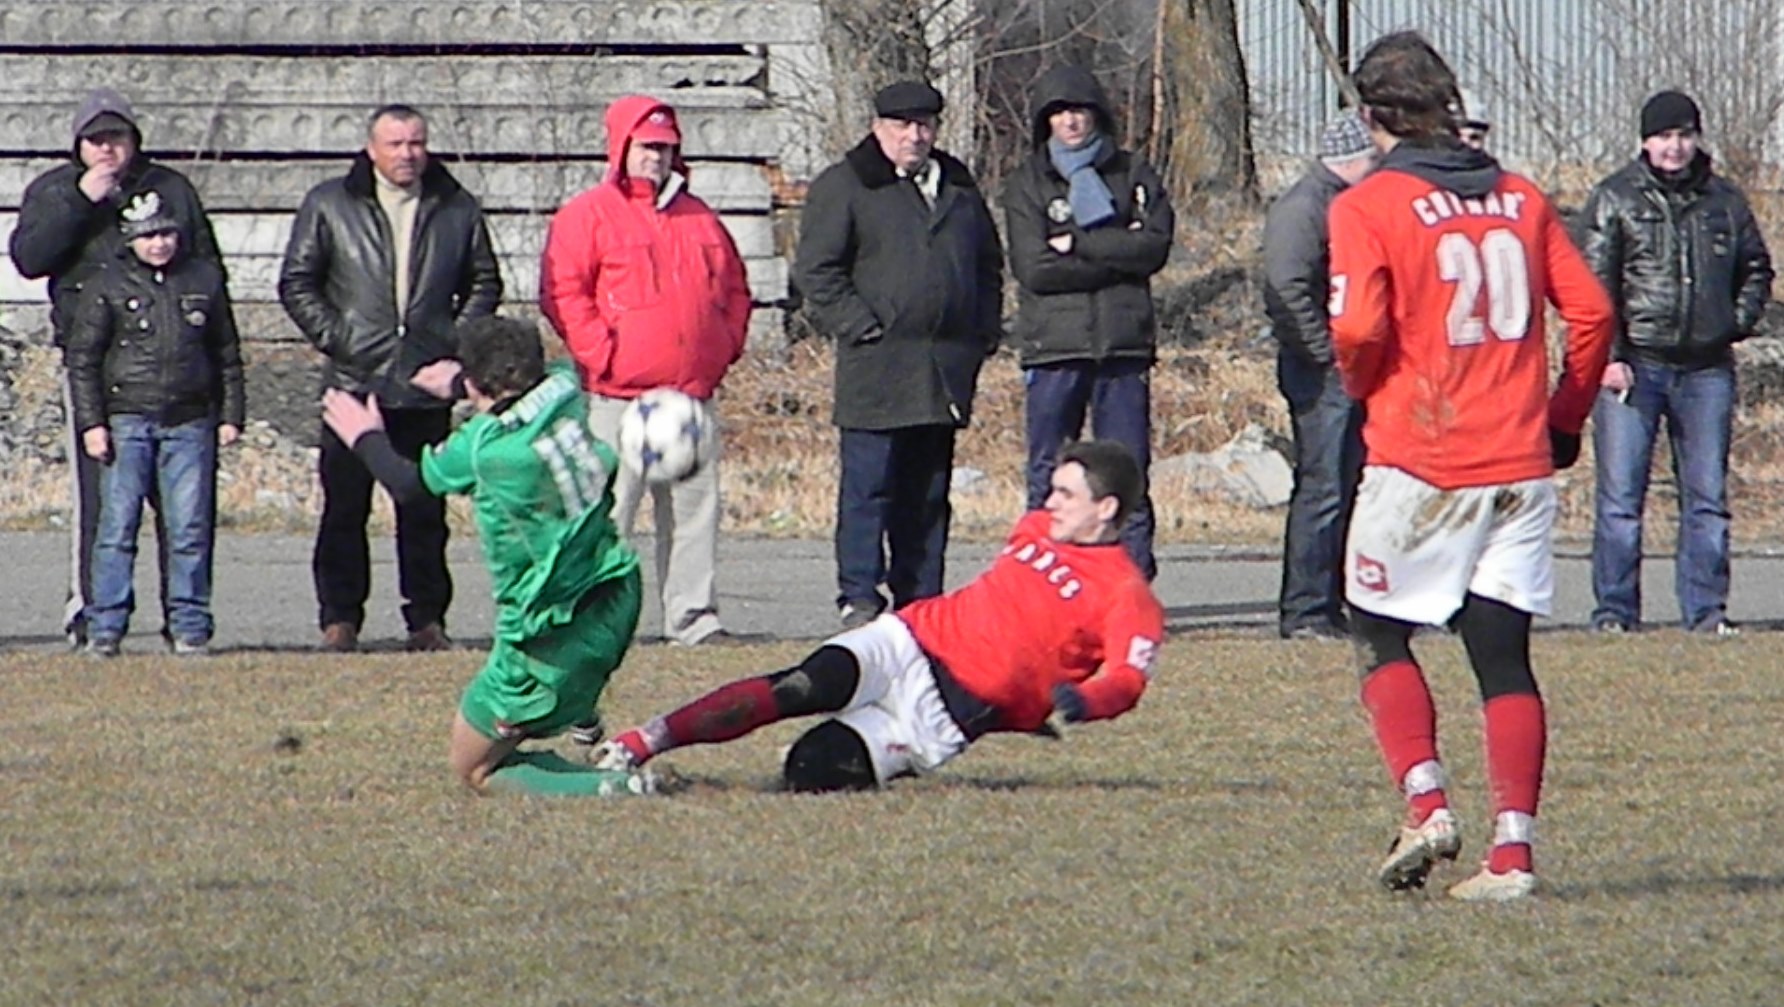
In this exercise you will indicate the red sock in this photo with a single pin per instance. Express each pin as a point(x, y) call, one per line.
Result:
point(1517, 741)
point(1405, 722)
point(730, 711)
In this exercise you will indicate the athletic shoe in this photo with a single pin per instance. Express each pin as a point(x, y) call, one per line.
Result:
point(1489, 887)
point(191, 648)
point(589, 732)
point(615, 760)
point(614, 757)
point(1610, 626)
point(1418, 850)
point(103, 649)
point(1718, 627)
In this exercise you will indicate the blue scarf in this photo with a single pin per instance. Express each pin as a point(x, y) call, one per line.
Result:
point(1091, 202)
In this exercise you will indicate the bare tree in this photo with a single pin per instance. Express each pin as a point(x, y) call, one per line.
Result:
point(1209, 118)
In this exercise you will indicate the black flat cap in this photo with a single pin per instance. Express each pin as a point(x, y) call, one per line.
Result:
point(907, 99)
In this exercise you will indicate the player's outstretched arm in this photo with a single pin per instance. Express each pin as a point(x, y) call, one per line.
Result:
point(360, 426)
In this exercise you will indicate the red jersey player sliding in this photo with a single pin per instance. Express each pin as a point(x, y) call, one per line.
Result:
point(1441, 264)
point(1061, 625)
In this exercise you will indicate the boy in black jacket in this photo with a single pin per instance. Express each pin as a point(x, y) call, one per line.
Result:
point(155, 372)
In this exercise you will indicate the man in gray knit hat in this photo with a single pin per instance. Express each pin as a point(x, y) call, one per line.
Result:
point(1326, 424)
point(68, 230)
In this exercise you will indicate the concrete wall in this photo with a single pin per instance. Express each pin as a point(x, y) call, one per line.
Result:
point(258, 101)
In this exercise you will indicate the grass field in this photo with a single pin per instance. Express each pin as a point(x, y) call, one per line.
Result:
point(279, 828)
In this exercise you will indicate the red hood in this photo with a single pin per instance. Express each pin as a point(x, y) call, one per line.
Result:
point(623, 118)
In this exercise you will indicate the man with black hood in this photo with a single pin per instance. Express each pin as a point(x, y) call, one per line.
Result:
point(1441, 267)
point(1088, 224)
point(382, 264)
point(70, 228)
point(1677, 247)
point(899, 263)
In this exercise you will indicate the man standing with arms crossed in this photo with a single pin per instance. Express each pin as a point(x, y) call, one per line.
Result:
point(645, 286)
point(1441, 267)
point(382, 263)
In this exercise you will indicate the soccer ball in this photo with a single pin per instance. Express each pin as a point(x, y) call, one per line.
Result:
point(664, 435)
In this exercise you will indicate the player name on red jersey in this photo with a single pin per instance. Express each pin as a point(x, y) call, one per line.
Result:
point(1435, 207)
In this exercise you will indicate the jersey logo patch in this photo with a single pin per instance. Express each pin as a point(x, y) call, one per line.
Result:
point(1140, 654)
point(1372, 574)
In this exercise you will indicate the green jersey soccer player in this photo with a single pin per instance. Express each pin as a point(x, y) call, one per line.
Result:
point(566, 585)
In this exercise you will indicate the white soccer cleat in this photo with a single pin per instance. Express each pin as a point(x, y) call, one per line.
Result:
point(1418, 850)
point(614, 758)
point(1490, 887)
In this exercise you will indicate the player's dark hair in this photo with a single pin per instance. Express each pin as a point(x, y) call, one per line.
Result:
point(1408, 88)
point(1110, 470)
point(399, 112)
point(502, 355)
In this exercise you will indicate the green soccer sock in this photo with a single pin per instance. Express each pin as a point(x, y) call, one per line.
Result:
point(548, 774)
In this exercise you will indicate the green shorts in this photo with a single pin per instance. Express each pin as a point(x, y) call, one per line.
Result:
point(540, 687)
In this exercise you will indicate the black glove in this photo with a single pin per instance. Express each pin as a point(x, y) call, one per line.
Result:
point(1564, 447)
point(1068, 703)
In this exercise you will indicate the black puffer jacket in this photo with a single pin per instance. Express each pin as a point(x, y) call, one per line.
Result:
point(337, 281)
point(69, 238)
point(155, 342)
point(911, 294)
point(1683, 261)
point(1094, 302)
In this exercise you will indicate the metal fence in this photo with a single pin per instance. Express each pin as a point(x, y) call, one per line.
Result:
point(1561, 80)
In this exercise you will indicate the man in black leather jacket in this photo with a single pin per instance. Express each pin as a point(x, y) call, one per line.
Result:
point(1678, 250)
point(382, 264)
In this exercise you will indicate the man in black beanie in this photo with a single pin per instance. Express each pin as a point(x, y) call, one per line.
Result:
point(1677, 248)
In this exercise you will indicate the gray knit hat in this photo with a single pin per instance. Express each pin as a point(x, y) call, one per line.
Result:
point(1345, 137)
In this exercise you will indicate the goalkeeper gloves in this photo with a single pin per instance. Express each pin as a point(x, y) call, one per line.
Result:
point(1564, 447)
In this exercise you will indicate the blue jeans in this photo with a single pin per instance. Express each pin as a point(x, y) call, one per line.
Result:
point(179, 462)
point(1118, 396)
point(1698, 406)
point(892, 501)
point(1328, 434)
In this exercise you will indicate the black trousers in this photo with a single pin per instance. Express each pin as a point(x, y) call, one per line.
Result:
point(342, 564)
point(1327, 427)
point(893, 498)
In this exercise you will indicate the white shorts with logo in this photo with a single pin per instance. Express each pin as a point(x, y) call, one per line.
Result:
point(1415, 551)
point(897, 709)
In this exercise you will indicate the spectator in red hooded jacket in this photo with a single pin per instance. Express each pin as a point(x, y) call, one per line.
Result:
point(647, 290)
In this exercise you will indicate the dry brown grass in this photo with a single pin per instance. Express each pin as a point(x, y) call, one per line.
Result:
point(1214, 847)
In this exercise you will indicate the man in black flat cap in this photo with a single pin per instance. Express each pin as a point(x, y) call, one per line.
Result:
point(1677, 248)
point(899, 262)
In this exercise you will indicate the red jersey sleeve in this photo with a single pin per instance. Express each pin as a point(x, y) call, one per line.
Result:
point(1132, 632)
point(1591, 324)
point(1361, 304)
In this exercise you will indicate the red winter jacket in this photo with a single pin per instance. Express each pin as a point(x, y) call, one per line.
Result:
point(646, 291)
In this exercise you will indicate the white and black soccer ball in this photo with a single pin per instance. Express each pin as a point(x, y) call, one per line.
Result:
point(665, 435)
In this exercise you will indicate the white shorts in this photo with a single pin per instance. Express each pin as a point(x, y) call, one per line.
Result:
point(896, 708)
point(1415, 551)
